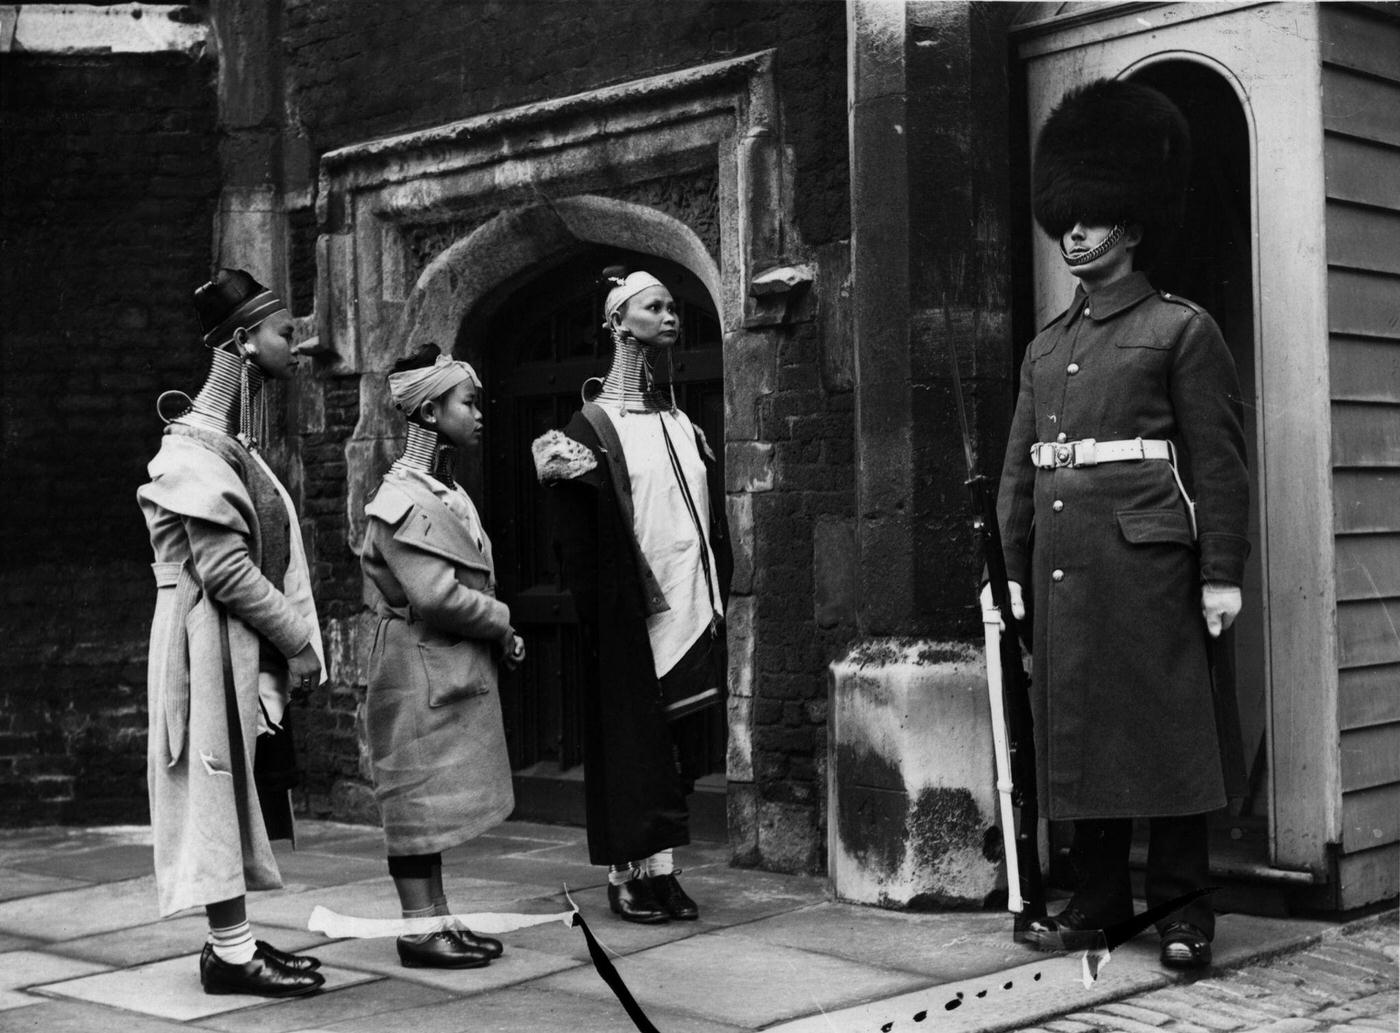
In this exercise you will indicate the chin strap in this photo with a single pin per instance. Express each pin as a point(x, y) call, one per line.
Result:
point(1114, 236)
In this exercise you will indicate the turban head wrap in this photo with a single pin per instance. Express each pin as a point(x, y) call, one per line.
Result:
point(232, 301)
point(410, 388)
point(628, 288)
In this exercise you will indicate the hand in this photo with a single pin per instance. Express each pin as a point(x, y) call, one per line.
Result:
point(304, 669)
point(1220, 605)
point(515, 656)
point(1018, 605)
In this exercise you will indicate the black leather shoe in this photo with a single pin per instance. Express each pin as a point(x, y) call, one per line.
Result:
point(1049, 933)
point(261, 977)
point(489, 945)
point(635, 902)
point(668, 893)
point(291, 962)
point(1184, 946)
point(440, 950)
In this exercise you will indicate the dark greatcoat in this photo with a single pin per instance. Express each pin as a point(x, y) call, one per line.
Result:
point(1124, 716)
point(634, 794)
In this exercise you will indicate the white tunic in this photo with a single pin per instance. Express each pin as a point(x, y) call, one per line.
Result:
point(666, 531)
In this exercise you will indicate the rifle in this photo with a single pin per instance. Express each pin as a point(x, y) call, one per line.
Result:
point(1008, 690)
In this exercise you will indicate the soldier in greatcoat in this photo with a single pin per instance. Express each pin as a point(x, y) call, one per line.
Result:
point(1123, 504)
point(235, 629)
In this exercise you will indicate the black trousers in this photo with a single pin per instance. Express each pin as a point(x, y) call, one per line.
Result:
point(1178, 861)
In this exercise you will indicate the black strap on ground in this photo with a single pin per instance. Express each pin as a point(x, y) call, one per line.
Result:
point(605, 969)
point(1114, 936)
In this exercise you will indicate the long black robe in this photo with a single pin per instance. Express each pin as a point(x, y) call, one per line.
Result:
point(634, 793)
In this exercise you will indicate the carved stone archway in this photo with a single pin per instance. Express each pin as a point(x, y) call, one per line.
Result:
point(416, 229)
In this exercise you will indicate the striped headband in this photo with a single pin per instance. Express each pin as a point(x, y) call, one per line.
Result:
point(246, 316)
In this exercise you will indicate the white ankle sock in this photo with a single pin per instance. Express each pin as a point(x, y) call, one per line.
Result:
point(233, 944)
point(621, 873)
point(662, 862)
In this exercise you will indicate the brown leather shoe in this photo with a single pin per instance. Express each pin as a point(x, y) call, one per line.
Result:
point(634, 901)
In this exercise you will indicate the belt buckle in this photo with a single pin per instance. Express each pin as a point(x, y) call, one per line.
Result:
point(1085, 453)
point(1064, 455)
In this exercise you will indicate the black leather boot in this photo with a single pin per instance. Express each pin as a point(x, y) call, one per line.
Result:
point(634, 901)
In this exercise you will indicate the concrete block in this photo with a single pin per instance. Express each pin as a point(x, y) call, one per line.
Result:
point(741, 800)
point(912, 778)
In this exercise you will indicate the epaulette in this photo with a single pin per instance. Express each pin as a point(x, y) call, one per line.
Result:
point(390, 504)
point(1177, 299)
point(559, 457)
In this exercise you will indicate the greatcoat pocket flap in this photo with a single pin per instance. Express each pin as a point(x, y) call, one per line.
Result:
point(458, 671)
point(1147, 526)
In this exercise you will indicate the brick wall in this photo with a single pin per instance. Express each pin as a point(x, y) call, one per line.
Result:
point(109, 176)
point(356, 71)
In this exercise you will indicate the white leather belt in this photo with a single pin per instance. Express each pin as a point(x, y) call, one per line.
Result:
point(1051, 454)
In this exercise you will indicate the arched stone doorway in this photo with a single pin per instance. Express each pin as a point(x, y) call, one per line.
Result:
point(519, 298)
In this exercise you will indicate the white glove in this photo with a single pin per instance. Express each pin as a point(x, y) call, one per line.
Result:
point(1018, 606)
point(1220, 605)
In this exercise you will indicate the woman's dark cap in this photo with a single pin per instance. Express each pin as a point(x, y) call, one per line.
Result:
point(232, 300)
point(1113, 152)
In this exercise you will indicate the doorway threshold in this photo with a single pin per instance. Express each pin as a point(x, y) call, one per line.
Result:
point(546, 792)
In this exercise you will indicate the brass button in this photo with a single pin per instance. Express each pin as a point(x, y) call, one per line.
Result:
point(1088, 311)
point(1057, 575)
point(1072, 368)
point(1062, 437)
point(1057, 505)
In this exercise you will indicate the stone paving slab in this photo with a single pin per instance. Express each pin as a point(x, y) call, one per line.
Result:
point(16, 883)
point(81, 912)
point(20, 845)
point(526, 1010)
point(517, 965)
point(77, 1017)
point(738, 980)
point(382, 1005)
point(170, 989)
point(942, 947)
point(1058, 990)
point(170, 938)
point(619, 938)
point(114, 862)
point(24, 968)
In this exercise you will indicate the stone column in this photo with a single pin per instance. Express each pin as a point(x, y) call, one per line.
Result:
point(880, 314)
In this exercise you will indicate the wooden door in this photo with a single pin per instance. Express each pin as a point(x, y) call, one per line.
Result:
point(538, 345)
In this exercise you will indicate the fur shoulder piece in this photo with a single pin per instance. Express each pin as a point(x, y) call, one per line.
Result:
point(559, 457)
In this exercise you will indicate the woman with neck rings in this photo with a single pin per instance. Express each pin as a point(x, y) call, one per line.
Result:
point(235, 630)
point(644, 550)
point(433, 713)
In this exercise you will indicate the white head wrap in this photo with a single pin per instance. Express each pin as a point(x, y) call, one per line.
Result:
point(410, 388)
point(629, 288)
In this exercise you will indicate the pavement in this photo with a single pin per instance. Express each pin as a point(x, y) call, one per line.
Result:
point(82, 949)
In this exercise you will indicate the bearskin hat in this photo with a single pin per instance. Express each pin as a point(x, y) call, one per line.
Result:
point(1113, 151)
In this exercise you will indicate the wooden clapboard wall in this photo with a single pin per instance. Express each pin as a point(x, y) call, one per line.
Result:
point(1361, 122)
